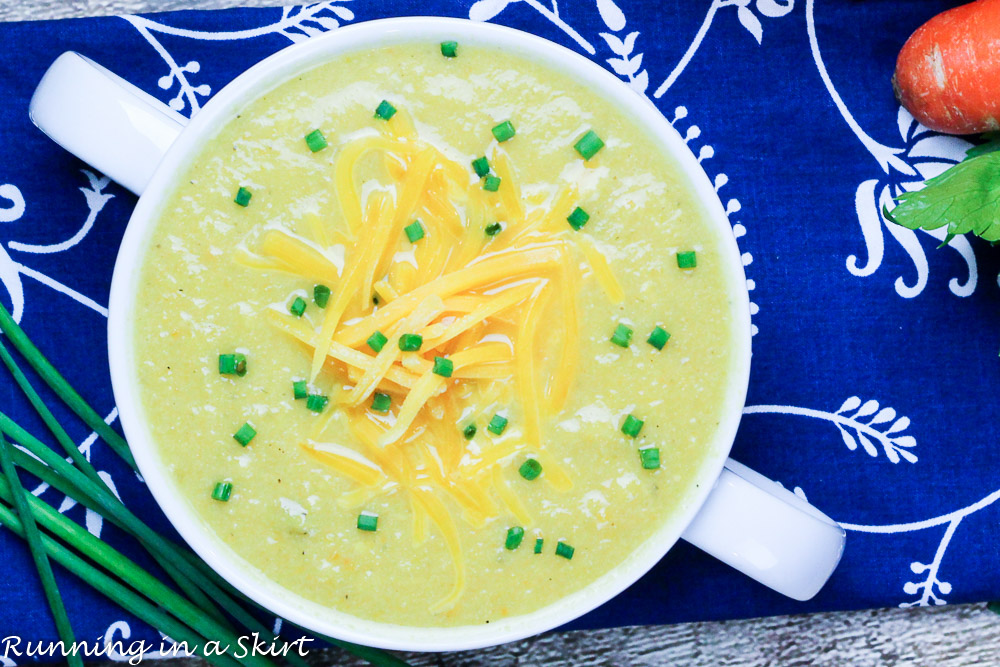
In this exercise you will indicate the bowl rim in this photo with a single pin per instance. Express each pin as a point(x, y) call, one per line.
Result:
point(257, 80)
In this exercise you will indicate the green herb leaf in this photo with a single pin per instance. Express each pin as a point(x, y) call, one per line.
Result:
point(983, 149)
point(965, 198)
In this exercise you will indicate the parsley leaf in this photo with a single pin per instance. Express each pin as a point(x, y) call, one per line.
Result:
point(983, 149)
point(966, 198)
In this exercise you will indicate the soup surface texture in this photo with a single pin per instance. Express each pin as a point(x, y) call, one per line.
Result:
point(528, 311)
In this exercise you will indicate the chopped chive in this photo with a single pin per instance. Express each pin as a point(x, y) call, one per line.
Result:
point(377, 341)
point(443, 367)
point(497, 425)
point(384, 110)
point(298, 307)
point(578, 218)
point(316, 141)
point(245, 434)
point(658, 338)
point(316, 402)
point(481, 166)
point(632, 426)
point(564, 550)
point(622, 336)
point(222, 491)
point(243, 197)
point(493, 228)
point(449, 49)
point(381, 402)
point(321, 295)
point(687, 260)
point(233, 364)
point(650, 458)
point(300, 389)
point(530, 469)
point(414, 231)
point(514, 537)
point(492, 183)
point(539, 542)
point(588, 145)
point(504, 131)
point(409, 342)
point(374, 299)
point(367, 521)
point(469, 431)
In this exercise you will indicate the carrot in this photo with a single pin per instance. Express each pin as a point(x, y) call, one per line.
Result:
point(948, 72)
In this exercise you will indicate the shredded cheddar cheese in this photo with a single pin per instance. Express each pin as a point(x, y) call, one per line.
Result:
point(481, 302)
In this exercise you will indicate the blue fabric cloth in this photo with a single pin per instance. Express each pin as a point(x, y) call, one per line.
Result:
point(875, 365)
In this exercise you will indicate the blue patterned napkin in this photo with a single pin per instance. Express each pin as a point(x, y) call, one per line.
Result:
point(875, 363)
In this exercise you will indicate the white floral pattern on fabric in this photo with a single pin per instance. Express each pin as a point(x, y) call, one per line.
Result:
point(616, 36)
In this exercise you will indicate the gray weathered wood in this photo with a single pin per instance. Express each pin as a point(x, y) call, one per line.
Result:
point(951, 636)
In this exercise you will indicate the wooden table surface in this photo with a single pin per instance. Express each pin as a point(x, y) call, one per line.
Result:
point(950, 636)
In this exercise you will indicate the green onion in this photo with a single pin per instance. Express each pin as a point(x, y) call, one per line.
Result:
point(191, 575)
point(443, 367)
point(68, 444)
point(410, 342)
point(530, 469)
point(481, 166)
point(588, 145)
point(381, 402)
point(298, 307)
point(377, 341)
point(316, 141)
point(658, 338)
point(469, 431)
point(632, 426)
point(243, 197)
point(539, 542)
point(38, 553)
point(494, 228)
point(63, 389)
point(687, 260)
point(650, 458)
point(492, 183)
point(222, 491)
point(81, 462)
point(316, 402)
point(504, 131)
point(233, 364)
point(384, 110)
point(449, 49)
point(98, 497)
point(375, 299)
point(578, 218)
point(368, 521)
point(564, 550)
point(245, 434)
point(44, 473)
point(321, 295)
point(514, 537)
point(194, 625)
point(622, 336)
point(497, 424)
point(300, 389)
point(414, 231)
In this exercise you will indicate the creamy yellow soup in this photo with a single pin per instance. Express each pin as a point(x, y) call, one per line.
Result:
point(403, 515)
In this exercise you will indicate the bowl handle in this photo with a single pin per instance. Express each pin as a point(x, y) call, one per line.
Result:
point(767, 532)
point(104, 120)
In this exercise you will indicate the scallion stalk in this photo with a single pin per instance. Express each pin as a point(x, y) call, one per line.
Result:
point(81, 462)
point(62, 388)
point(38, 554)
